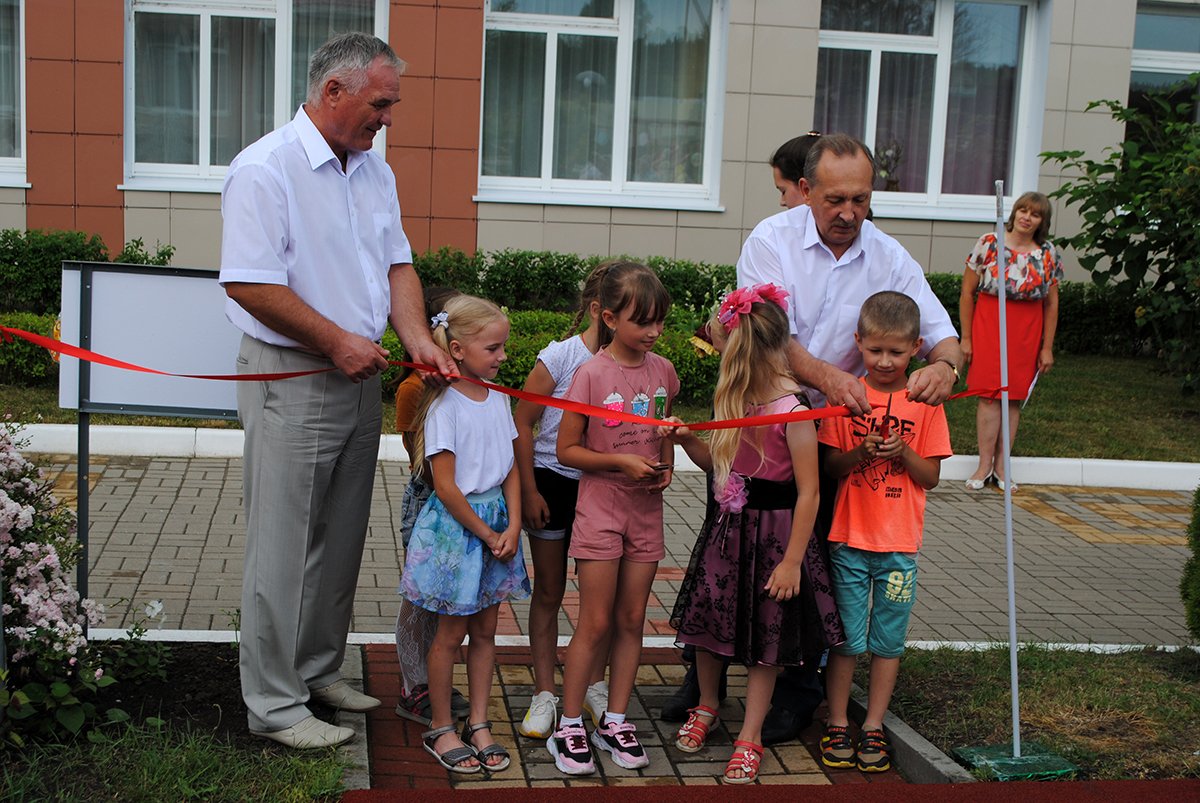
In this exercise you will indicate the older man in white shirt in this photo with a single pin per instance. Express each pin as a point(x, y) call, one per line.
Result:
point(315, 262)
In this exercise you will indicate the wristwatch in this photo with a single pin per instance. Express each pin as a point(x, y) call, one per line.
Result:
point(953, 367)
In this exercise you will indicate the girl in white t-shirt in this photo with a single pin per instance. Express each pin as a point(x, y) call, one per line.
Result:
point(464, 557)
point(548, 494)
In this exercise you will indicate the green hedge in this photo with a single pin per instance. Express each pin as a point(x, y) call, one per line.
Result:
point(1092, 319)
point(31, 264)
point(21, 362)
point(1189, 585)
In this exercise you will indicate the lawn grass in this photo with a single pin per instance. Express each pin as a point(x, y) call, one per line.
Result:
point(1088, 407)
point(1126, 715)
point(145, 763)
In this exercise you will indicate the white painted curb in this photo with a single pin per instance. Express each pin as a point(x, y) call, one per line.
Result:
point(224, 443)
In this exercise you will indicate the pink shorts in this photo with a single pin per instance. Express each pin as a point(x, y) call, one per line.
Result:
point(614, 521)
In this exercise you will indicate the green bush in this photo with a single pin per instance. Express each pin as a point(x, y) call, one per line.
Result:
point(1138, 207)
point(523, 280)
point(1189, 585)
point(1092, 319)
point(31, 264)
point(449, 267)
point(21, 362)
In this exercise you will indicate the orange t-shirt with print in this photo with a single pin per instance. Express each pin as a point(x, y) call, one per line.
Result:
point(879, 508)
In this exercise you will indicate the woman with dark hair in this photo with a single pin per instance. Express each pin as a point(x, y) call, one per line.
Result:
point(1032, 273)
point(787, 165)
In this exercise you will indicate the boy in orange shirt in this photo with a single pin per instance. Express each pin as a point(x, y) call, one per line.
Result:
point(886, 460)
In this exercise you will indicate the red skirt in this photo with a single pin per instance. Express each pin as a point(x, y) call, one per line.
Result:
point(1024, 320)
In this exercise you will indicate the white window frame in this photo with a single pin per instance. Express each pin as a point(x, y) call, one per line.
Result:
point(619, 191)
point(12, 168)
point(933, 204)
point(205, 177)
point(1174, 62)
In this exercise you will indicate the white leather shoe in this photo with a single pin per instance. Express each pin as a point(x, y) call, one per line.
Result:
point(308, 734)
point(340, 695)
point(974, 484)
point(1000, 485)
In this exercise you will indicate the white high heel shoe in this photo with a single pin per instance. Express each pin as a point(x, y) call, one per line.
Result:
point(1000, 484)
point(977, 485)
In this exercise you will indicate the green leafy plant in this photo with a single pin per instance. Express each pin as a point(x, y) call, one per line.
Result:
point(449, 267)
point(1139, 204)
point(1189, 584)
point(134, 659)
point(135, 253)
point(21, 362)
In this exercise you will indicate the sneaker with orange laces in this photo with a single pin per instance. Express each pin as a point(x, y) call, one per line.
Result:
point(836, 748)
point(874, 751)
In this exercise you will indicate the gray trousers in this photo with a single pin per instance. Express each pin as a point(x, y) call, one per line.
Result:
point(312, 444)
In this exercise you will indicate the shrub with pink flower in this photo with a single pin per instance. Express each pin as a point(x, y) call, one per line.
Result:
point(51, 672)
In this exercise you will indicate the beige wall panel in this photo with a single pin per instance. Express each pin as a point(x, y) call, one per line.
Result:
point(958, 230)
point(509, 211)
point(496, 235)
point(1058, 76)
point(773, 121)
point(1097, 73)
point(1053, 125)
point(576, 238)
point(1092, 132)
point(151, 225)
point(898, 226)
point(733, 188)
point(12, 208)
point(741, 11)
point(578, 214)
point(778, 55)
point(917, 246)
point(762, 199)
point(147, 200)
point(949, 254)
point(715, 246)
point(792, 13)
point(741, 52)
point(196, 235)
point(1108, 23)
point(736, 127)
point(196, 200)
point(642, 241)
point(1062, 20)
point(645, 217)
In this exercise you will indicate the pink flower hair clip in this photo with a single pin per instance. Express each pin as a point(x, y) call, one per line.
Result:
point(737, 303)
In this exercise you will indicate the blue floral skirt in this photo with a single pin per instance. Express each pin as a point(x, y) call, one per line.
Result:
point(447, 569)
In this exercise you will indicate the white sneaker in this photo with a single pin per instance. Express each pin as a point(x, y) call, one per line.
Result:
point(340, 695)
point(308, 734)
point(539, 719)
point(595, 700)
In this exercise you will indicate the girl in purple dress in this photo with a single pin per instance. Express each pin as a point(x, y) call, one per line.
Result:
point(757, 589)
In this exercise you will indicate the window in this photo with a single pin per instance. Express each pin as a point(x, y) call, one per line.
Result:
point(1166, 49)
point(12, 71)
point(942, 92)
point(604, 102)
point(208, 78)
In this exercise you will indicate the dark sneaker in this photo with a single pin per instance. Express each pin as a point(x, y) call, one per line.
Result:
point(874, 751)
point(619, 741)
point(459, 705)
point(415, 705)
point(569, 746)
point(836, 748)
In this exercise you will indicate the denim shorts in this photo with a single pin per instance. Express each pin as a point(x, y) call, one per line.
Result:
point(889, 581)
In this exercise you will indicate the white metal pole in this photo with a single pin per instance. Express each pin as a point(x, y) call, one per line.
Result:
point(1002, 280)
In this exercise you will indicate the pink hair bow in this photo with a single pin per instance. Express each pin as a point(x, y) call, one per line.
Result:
point(739, 302)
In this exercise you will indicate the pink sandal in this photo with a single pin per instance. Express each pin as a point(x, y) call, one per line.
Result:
point(747, 761)
point(696, 729)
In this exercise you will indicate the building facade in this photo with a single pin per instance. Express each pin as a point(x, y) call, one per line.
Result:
point(638, 127)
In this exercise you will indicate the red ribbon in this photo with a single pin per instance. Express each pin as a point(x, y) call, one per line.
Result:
point(546, 401)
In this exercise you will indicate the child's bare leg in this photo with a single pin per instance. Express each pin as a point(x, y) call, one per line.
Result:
point(597, 589)
point(839, 675)
point(481, 665)
point(708, 677)
point(549, 585)
point(884, 672)
point(629, 614)
point(760, 685)
point(440, 663)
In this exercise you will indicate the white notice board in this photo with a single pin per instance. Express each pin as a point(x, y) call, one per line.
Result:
point(169, 319)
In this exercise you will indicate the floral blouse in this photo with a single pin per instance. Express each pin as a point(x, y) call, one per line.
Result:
point(1030, 275)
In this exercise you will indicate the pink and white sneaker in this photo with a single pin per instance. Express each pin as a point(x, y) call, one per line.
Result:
point(569, 746)
point(619, 741)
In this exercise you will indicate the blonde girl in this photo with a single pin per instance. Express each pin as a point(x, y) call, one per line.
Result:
point(756, 590)
point(464, 557)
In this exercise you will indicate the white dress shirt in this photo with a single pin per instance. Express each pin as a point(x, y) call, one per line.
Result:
point(293, 217)
point(826, 293)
